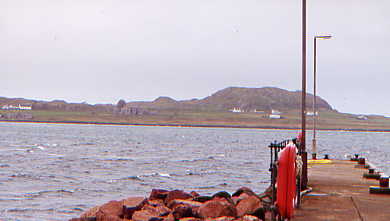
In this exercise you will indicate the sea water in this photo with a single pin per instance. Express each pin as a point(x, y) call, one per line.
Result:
point(57, 171)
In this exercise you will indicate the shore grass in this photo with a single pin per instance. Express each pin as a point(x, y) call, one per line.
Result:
point(326, 120)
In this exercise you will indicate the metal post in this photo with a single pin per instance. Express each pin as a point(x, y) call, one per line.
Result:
point(303, 141)
point(314, 147)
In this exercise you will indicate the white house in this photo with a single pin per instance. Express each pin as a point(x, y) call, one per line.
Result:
point(275, 112)
point(275, 116)
point(258, 111)
point(311, 113)
point(236, 110)
point(19, 107)
point(362, 117)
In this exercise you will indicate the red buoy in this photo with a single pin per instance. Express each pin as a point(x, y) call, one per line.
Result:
point(286, 181)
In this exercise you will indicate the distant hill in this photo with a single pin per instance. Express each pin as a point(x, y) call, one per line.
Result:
point(248, 99)
point(265, 99)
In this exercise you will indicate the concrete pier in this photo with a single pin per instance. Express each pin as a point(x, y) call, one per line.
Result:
point(341, 193)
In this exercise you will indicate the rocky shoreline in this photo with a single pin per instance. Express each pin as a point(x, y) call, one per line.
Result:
point(164, 205)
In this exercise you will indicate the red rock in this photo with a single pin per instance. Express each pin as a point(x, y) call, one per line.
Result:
point(177, 194)
point(143, 215)
point(158, 210)
point(110, 210)
point(182, 211)
point(223, 218)
point(170, 217)
point(190, 219)
point(248, 206)
point(249, 218)
point(132, 204)
point(202, 199)
point(194, 194)
point(189, 203)
point(236, 199)
point(216, 208)
point(244, 190)
point(106, 217)
point(91, 212)
point(156, 202)
point(158, 194)
point(83, 219)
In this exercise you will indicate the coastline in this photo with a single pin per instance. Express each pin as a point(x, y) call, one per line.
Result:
point(192, 125)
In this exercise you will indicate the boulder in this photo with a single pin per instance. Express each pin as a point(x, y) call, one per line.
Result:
point(216, 208)
point(222, 218)
point(194, 194)
point(132, 204)
point(243, 190)
point(106, 217)
point(177, 194)
point(249, 218)
point(110, 210)
point(158, 210)
point(170, 217)
point(190, 219)
point(158, 194)
point(182, 211)
point(248, 206)
point(260, 213)
point(202, 199)
point(223, 196)
point(83, 219)
point(156, 202)
point(190, 203)
point(91, 212)
point(144, 215)
point(242, 193)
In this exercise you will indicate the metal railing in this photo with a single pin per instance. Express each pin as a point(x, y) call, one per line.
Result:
point(275, 147)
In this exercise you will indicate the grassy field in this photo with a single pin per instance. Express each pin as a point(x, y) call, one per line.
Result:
point(326, 120)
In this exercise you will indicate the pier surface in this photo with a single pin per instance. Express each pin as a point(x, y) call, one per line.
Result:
point(341, 193)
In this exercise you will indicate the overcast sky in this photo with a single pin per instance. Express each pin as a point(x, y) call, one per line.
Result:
point(99, 51)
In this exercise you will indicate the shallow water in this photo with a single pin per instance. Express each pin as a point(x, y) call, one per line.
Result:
point(56, 171)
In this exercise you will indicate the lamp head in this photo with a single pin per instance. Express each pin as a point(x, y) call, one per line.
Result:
point(323, 36)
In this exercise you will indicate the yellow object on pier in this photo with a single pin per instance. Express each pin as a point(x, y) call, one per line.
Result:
point(319, 161)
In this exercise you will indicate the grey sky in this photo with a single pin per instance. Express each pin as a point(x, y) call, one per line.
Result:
point(101, 51)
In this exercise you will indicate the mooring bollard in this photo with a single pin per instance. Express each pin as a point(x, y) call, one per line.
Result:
point(362, 163)
point(372, 174)
point(356, 158)
point(384, 181)
point(383, 187)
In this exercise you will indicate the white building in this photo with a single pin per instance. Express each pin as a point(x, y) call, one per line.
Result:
point(311, 113)
point(258, 111)
point(19, 107)
point(275, 116)
point(236, 110)
point(362, 117)
point(275, 112)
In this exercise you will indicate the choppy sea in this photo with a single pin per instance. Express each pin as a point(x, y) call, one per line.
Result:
point(57, 171)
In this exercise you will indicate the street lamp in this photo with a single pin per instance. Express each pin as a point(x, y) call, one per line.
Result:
point(314, 144)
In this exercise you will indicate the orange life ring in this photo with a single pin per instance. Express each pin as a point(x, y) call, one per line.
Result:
point(286, 181)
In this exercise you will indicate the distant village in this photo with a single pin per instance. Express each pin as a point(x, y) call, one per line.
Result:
point(274, 114)
point(14, 107)
point(18, 115)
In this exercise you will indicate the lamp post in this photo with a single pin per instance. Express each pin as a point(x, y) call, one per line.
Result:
point(303, 181)
point(314, 144)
